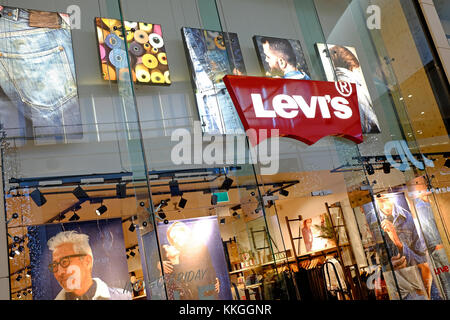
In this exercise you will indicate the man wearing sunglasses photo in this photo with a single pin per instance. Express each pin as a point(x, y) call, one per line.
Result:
point(72, 262)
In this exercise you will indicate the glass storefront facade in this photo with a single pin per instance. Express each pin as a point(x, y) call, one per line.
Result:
point(116, 124)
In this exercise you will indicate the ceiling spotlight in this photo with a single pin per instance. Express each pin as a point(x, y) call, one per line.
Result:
point(17, 252)
point(182, 203)
point(19, 277)
point(38, 198)
point(235, 208)
point(121, 190)
point(128, 257)
point(101, 210)
point(12, 254)
point(132, 227)
point(369, 169)
point(75, 217)
point(24, 293)
point(29, 291)
point(132, 253)
point(226, 183)
point(284, 192)
point(19, 296)
point(28, 274)
point(386, 167)
point(447, 163)
point(214, 199)
point(80, 194)
point(235, 214)
point(21, 249)
point(222, 221)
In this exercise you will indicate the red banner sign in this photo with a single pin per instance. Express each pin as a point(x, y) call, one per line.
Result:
point(300, 109)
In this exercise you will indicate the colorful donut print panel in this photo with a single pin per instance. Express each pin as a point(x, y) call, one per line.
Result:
point(142, 43)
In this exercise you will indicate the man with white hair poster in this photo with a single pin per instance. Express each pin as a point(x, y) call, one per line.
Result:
point(79, 261)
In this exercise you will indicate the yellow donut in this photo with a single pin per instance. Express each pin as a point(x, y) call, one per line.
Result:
point(147, 27)
point(147, 46)
point(154, 50)
point(149, 61)
point(130, 35)
point(142, 73)
point(118, 32)
point(111, 23)
point(162, 58)
point(108, 72)
point(141, 36)
point(157, 76)
point(167, 77)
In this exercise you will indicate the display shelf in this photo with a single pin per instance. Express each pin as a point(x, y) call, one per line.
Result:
point(289, 260)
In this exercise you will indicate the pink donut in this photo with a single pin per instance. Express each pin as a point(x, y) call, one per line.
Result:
point(102, 52)
point(157, 29)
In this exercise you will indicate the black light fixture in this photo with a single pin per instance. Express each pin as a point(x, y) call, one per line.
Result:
point(386, 167)
point(214, 199)
point(369, 169)
point(121, 190)
point(19, 296)
point(226, 183)
point(284, 192)
point(38, 198)
point(80, 194)
point(29, 291)
point(75, 217)
point(174, 188)
point(28, 274)
point(447, 163)
point(128, 257)
point(161, 214)
point(222, 221)
point(12, 254)
point(235, 208)
point(132, 253)
point(19, 277)
point(132, 227)
point(101, 210)
point(235, 214)
point(182, 203)
point(24, 293)
point(21, 249)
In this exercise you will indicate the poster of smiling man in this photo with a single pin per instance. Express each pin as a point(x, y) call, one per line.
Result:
point(79, 261)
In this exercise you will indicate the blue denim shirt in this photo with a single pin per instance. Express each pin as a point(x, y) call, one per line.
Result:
point(296, 75)
point(414, 248)
point(428, 224)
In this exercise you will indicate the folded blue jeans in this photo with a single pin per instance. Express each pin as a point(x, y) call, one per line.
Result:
point(37, 73)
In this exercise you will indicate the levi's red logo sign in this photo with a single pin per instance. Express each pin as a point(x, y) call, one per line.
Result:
point(301, 109)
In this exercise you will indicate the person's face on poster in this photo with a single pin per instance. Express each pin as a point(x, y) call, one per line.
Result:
point(72, 271)
point(273, 60)
point(180, 236)
point(386, 205)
